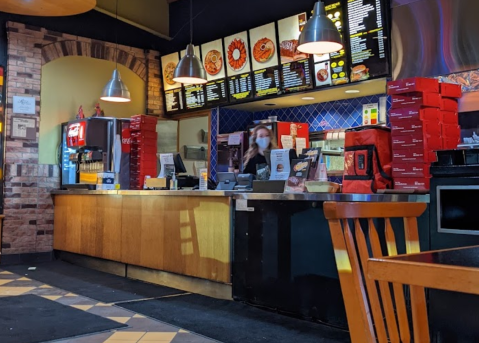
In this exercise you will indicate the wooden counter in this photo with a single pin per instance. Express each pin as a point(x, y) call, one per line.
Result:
point(183, 234)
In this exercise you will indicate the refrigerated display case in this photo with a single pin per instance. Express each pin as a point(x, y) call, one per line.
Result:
point(331, 143)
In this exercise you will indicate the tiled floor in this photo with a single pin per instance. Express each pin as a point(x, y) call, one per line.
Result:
point(140, 328)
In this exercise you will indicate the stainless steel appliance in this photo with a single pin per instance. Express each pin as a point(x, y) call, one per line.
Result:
point(87, 147)
point(231, 148)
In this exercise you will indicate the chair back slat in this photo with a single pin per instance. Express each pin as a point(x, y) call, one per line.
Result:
point(398, 289)
point(373, 296)
point(384, 287)
point(381, 314)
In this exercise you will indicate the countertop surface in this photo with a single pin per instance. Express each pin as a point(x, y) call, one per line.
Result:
point(262, 196)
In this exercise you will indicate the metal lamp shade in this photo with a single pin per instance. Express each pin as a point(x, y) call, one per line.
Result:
point(190, 70)
point(319, 35)
point(115, 90)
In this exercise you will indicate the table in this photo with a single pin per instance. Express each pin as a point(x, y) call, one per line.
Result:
point(454, 270)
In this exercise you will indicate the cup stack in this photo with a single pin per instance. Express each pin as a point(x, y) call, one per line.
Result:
point(423, 119)
point(143, 160)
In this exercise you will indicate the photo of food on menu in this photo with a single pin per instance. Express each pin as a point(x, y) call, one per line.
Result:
point(263, 46)
point(213, 60)
point(169, 63)
point(289, 30)
point(298, 176)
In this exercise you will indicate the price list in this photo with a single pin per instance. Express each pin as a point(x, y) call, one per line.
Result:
point(296, 76)
point(240, 87)
point(195, 96)
point(334, 12)
point(266, 82)
point(216, 92)
point(174, 100)
point(366, 35)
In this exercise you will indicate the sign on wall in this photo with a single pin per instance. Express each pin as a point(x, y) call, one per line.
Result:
point(24, 105)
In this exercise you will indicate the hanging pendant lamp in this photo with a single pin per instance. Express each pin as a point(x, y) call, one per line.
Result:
point(190, 69)
point(115, 90)
point(319, 35)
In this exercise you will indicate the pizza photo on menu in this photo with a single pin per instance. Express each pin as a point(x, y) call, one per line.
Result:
point(263, 50)
point(213, 62)
point(237, 54)
point(168, 73)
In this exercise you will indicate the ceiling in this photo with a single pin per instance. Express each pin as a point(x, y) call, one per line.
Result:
point(365, 88)
point(149, 15)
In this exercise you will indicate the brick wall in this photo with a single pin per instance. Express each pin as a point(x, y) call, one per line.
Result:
point(28, 206)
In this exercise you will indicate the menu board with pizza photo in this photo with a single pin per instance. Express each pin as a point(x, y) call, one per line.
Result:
point(264, 58)
point(173, 95)
point(214, 63)
point(289, 30)
point(238, 67)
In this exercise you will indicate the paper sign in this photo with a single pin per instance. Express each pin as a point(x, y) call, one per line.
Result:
point(24, 128)
point(242, 205)
point(287, 142)
point(165, 159)
point(280, 165)
point(234, 139)
point(370, 114)
point(24, 105)
point(300, 144)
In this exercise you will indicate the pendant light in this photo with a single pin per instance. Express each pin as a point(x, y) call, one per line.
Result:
point(115, 90)
point(319, 35)
point(190, 70)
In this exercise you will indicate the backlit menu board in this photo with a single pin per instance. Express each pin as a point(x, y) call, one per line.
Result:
point(174, 100)
point(267, 81)
point(296, 76)
point(216, 92)
point(195, 96)
point(238, 67)
point(367, 40)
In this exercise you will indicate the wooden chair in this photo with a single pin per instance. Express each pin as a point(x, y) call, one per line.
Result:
point(376, 312)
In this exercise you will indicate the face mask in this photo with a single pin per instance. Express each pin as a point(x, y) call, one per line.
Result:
point(263, 143)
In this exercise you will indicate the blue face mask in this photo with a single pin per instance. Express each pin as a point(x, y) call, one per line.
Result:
point(263, 142)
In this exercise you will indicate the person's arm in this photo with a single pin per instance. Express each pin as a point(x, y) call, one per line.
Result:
point(250, 167)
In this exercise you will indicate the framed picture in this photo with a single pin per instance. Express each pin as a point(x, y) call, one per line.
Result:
point(23, 128)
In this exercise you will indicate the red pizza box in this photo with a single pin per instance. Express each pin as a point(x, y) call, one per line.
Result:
point(417, 99)
point(414, 156)
point(418, 141)
point(450, 90)
point(450, 130)
point(411, 170)
point(406, 127)
point(412, 183)
point(448, 104)
point(414, 113)
point(448, 117)
point(449, 143)
point(414, 84)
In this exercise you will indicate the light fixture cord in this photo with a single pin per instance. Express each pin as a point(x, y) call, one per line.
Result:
point(116, 35)
point(191, 21)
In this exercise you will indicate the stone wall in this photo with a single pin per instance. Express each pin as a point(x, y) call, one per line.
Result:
point(28, 206)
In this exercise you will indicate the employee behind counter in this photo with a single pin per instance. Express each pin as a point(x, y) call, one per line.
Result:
point(261, 140)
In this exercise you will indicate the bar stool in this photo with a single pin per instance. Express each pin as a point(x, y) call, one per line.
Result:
point(376, 311)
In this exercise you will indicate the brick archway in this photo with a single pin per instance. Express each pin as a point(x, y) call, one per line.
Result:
point(28, 206)
point(99, 50)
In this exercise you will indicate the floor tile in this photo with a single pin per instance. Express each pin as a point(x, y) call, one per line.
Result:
point(127, 336)
point(122, 320)
point(158, 337)
point(82, 307)
point(10, 291)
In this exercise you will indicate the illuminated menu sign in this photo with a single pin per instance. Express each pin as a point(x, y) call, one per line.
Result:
point(240, 87)
point(174, 100)
point(267, 81)
point(296, 76)
point(216, 92)
point(367, 40)
point(195, 96)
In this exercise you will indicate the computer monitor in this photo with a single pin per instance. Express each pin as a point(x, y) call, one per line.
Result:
point(179, 166)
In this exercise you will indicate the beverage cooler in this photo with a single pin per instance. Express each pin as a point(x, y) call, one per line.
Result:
point(89, 146)
point(293, 130)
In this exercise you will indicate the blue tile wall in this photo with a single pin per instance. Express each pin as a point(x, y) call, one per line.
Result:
point(323, 116)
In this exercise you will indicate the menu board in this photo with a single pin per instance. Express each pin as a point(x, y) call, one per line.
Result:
point(264, 52)
point(237, 54)
point(216, 92)
point(213, 60)
point(267, 81)
point(289, 30)
point(240, 87)
point(367, 39)
point(194, 96)
point(296, 76)
point(169, 63)
point(174, 100)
